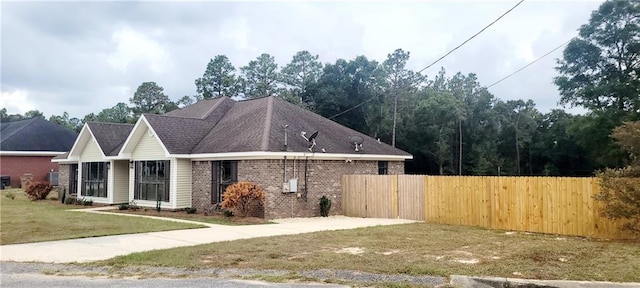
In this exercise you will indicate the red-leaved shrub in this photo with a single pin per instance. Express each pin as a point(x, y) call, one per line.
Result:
point(38, 190)
point(244, 198)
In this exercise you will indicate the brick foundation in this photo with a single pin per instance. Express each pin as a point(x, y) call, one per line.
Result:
point(323, 178)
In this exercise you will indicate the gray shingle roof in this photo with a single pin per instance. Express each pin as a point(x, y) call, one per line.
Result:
point(179, 135)
point(110, 136)
point(257, 125)
point(35, 134)
point(202, 109)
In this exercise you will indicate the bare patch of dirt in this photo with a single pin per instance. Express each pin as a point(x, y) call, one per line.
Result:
point(351, 250)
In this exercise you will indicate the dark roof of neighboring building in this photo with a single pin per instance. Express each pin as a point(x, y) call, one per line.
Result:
point(35, 134)
point(110, 136)
point(223, 125)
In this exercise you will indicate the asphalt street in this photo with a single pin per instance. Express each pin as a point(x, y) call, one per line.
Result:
point(39, 280)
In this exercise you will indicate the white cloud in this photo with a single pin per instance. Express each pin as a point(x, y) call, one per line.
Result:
point(16, 102)
point(84, 57)
point(238, 32)
point(133, 46)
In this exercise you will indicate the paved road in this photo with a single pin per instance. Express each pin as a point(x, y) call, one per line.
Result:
point(102, 248)
point(39, 280)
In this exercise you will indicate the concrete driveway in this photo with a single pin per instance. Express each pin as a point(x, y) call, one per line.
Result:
point(101, 248)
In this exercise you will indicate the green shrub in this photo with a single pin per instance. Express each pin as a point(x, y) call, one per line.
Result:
point(325, 206)
point(133, 205)
point(190, 210)
point(620, 194)
point(10, 195)
point(123, 206)
point(87, 202)
point(70, 200)
point(227, 213)
point(38, 190)
point(620, 188)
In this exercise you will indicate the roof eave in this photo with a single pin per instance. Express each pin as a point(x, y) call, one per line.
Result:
point(280, 155)
point(30, 153)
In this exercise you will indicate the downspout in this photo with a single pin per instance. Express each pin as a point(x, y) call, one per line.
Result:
point(306, 167)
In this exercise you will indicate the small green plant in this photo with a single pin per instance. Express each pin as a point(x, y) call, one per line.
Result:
point(38, 190)
point(87, 202)
point(325, 206)
point(79, 201)
point(133, 205)
point(190, 210)
point(158, 205)
point(70, 200)
point(123, 206)
point(10, 195)
point(227, 213)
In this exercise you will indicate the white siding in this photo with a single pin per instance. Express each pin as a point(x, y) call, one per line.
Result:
point(91, 152)
point(148, 148)
point(120, 181)
point(183, 182)
point(132, 185)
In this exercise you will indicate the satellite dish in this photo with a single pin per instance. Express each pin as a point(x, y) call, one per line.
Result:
point(313, 136)
point(357, 142)
point(311, 139)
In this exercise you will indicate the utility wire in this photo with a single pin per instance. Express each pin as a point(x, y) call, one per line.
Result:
point(531, 63)
point(354, 107)
point(445, 55)
point(474, 35)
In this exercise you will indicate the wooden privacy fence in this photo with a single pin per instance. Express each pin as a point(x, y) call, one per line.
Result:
point(557, 205)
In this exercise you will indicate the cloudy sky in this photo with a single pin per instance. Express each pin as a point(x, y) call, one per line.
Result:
point(81, 57)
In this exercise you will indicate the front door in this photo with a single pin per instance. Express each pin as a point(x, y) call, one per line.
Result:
point(73, 179)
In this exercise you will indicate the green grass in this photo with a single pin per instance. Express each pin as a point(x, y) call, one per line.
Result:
point(24, 221)
point(197, 217)
point(414, 249)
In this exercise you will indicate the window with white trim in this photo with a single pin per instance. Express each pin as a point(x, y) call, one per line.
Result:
point(152, 180)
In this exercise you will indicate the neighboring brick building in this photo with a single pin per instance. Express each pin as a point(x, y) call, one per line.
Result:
point(187, 157)
point(27, 146)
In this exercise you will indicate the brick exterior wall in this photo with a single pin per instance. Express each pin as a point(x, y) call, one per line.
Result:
point(323, 178)
point(15, 166)
point(63, 178)
point(201, 185)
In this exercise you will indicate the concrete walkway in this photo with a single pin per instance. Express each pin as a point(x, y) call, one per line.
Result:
point(101, 248)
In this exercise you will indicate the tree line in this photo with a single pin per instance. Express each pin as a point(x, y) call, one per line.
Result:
point(450, 123)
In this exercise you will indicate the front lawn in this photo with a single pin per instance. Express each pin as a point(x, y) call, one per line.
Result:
point(197, 217)
point(24, 221)
point(414, 249)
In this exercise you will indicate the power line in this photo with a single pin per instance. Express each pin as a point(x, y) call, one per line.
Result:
point(474, 35)
point(531, 63)
point(445, 55)
point(354, 107)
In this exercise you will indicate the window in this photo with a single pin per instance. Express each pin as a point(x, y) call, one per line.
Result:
point(94, 179)
point(223, 174)
point(73, 179)
point(383, 167)
point(152, 180)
